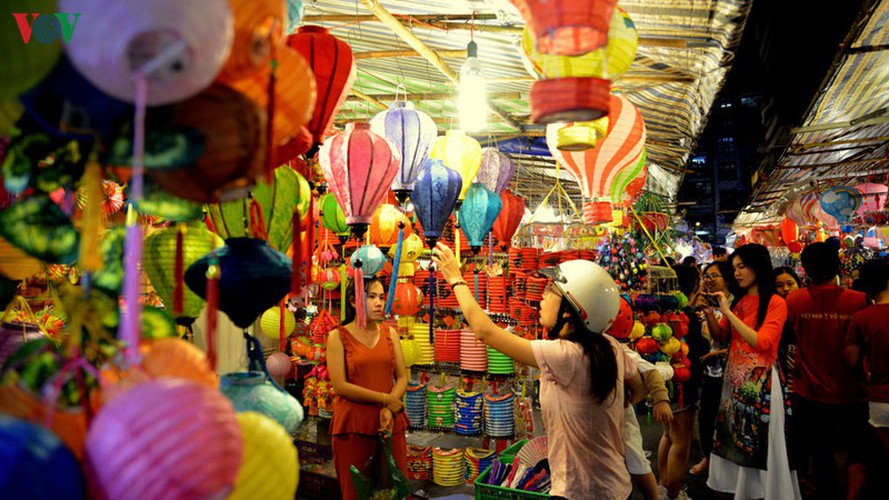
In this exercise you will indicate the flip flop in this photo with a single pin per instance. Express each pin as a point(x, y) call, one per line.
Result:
point(698, 470)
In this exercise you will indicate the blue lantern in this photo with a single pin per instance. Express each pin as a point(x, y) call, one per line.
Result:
point(34, 463)
point(372, 259)
point(841, 202)
point(413, 133)
point(435, 196)
point(478, 213)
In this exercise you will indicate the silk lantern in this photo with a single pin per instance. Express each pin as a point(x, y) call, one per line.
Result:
point(334, 68)
point(408, 299)
point(258, 26)
point(359, 166)
point(461, 153)
point(434, 197)
point(146, 442)
point(332, 216)
point(371, 257)
point(384, 226)
point(411, 249)
point(412, 132)
point(568, 27)
point(873, 197)
point(574, 87)
point(496, 170)
point(596, 169)
point(329, 279)
point(478, 213)
point(507, 223)
point(166, 271)
point(270, 467)
point(289, 192)
point(841, 202)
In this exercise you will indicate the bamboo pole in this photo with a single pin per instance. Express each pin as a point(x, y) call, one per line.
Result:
point(383, 54)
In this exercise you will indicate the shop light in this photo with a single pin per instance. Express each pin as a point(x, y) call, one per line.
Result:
point(472, 99)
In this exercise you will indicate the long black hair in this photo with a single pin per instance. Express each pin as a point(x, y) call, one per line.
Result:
point(757, 258)
point(603, 361)
point(350, 295)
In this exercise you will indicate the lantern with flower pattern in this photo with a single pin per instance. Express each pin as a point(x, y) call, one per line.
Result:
point(434, 197)
point(412, 132)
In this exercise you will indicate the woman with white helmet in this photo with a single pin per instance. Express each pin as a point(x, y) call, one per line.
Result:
point(582, 373)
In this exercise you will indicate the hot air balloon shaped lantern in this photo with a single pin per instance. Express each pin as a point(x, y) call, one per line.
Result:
point(461, 153)
point(412, 132)
point(507, 223)
point(478, 213)
point(385, 226)
point(566, 26)
point(496, 170)
point(434, 198)
point(841, 202)
point(359, 166)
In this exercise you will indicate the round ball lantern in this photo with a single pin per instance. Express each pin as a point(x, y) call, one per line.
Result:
point(408, 299)
point(34, 463)
point(270, 467)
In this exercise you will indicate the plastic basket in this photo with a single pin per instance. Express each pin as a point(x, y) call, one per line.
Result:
point(491, 492)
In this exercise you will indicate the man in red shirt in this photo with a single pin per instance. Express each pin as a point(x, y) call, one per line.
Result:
point(829, 404)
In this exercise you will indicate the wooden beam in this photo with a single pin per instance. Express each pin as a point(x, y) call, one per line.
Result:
point(382, 54)
point(350, 18)
point(369, 99)
point(441, 96)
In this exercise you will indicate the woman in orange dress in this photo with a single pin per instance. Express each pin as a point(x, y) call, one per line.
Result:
point(369, 377)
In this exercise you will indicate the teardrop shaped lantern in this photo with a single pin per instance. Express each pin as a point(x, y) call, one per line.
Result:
point(567, 26)
point(333, 218)
point(278, 200)
point(252, 278)
point(411, 249)
point(478, 213)
point(384, 226)
point(596, 169)
point(496, 170)
point(460, 153)
point(412, 132)
point(334, 68)
point(434, 197)
point(372, 259)
point(359, 166)
point(160, 265)
point(507, 223)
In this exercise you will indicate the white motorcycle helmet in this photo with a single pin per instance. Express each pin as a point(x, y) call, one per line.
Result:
point(589, 289)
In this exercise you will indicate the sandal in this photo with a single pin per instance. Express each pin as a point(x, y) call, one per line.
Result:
point(699, 468)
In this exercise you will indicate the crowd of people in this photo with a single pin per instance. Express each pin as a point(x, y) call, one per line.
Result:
point(789, 386)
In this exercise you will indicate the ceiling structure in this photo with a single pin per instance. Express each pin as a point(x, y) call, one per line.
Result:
point(843, 137)
point(686, 48)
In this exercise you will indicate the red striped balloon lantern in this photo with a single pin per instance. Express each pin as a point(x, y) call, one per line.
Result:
point(359, 166)
point(507, 223)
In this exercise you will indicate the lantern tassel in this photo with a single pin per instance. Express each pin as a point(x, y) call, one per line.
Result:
point(475, 272)
point(257, 221)
point(296, 264)
point(310, 238)
point(360, 316)
point(396, 262)
point(490, 249)
point(213, 274)
point(342, 293)
point(281, 329)
point(90, 257)
point(179, 274)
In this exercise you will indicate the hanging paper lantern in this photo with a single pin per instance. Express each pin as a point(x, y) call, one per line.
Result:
point(841, 202)
point(411, 249)
point(270, 323)
point(789, 231)
point(252, 278)
point(203, 30)
point(359, 166)
point(278, 200)
point(596, 169)
point(412, 132)
point(496, 170)
point(159, 263)
point(580, 136)
point(161, 429)
point(334, 68)
point(26, 64)
point(372, 259)
point(873, 197)
point(36, 464)
point(631, 192)
point(234, 142)
point(384, 226)
point(329, 279)
point(568, 27)
point(434, 198)
point(478, 213)
point(258, 26)
point(38, 227)
point(575, 87)
point(270, 467)
point(294, 98)
point(625, 185)
point(332, 216)
point(408, 299)
point(507, 223)
point(460, 153)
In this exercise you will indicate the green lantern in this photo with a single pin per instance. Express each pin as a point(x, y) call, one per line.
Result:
point(332, 216)
point(160, 265)
point(290, 191)
point(38, 227)
point(110, 278)
point(158, 202)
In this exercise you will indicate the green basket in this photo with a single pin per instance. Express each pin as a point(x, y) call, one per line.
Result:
point(490, 492)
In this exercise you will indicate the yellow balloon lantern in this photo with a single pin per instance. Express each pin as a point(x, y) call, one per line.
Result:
point(637, 331)
point(459, 152)
point(270, 323)
point(411, 249)
point(270, 464)
point(407, 270)
point(671, 346)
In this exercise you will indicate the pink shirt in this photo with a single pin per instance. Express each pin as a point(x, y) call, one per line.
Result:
point(586, 445)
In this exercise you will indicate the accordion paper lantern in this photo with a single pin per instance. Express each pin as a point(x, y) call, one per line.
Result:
point(145, 443)
point(566, 26)
point(270, 468)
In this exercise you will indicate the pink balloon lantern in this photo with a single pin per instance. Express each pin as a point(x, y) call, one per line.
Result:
point(873, 197)
point(165, 438)
point(279, 364)
point(359, 166)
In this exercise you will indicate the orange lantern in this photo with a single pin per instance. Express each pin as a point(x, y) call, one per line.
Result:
point(259, 24)
point(384, 226)
point(789, 231)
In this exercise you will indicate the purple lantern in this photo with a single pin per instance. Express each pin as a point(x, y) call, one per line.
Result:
point(434, 197)
point(412, 132)
point(478, 213)
point(497, 170)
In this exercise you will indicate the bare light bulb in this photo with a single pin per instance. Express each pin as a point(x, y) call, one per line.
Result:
point(472, 97)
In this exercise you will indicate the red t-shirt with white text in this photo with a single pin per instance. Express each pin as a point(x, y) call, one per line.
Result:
point(869, 329)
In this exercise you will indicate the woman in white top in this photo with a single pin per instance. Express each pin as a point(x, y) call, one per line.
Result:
point(582, 374)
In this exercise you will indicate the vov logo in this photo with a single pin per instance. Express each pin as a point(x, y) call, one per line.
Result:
point(46, 28)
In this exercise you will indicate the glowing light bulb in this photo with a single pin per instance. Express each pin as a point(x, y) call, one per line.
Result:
point(472, 98)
